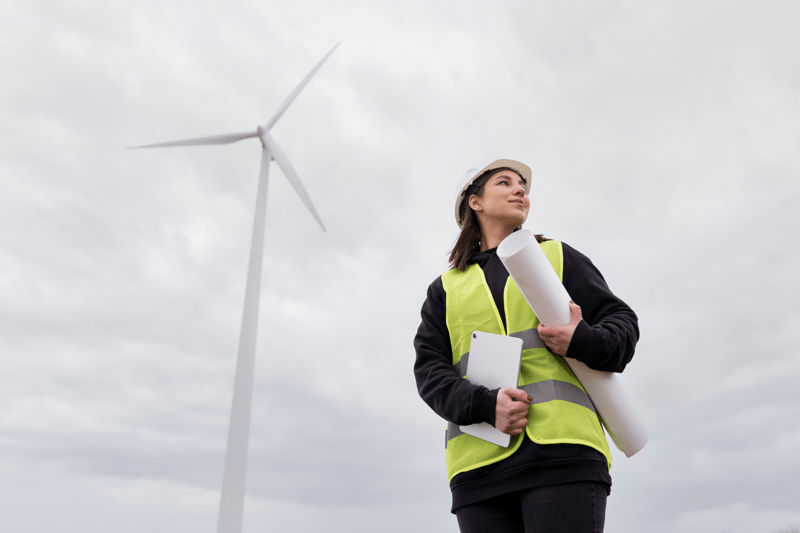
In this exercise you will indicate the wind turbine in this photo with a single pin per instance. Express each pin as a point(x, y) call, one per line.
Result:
point(231, 506)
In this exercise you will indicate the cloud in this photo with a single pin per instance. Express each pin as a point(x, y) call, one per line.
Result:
point(661, 147)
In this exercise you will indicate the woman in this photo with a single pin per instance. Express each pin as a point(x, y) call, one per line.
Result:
point(554, 476)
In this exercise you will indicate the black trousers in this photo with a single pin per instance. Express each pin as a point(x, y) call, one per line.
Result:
point(568, 508)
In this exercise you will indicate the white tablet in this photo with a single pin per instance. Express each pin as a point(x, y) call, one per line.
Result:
point(494, 363)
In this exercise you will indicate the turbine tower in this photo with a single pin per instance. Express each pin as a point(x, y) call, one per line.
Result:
point(231, 506)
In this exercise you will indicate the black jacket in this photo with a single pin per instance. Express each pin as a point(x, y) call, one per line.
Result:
point(604, 340)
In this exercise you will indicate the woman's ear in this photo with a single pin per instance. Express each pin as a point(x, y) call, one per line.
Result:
point(475, 203)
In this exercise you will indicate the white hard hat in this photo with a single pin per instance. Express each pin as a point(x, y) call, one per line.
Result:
point(469, 176)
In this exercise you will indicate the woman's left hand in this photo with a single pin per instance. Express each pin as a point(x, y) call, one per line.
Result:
point(557, 338)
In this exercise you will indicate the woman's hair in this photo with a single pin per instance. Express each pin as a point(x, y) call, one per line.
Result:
point(468, 239)
point(470, 236)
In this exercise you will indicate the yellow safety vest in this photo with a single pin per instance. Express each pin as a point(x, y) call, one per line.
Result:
point(561, 411)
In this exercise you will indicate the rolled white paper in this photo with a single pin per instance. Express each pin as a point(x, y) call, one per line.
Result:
point(534, 275)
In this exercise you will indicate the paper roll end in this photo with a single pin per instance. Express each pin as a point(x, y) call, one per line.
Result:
point(514, 243)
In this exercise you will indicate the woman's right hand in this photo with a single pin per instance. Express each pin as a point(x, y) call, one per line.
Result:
point(512, 410)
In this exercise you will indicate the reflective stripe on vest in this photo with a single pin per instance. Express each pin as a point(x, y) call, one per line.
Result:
point(561, 412)
point(530, 339)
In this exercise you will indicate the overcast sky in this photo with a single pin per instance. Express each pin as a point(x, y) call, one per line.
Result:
point(663, 138)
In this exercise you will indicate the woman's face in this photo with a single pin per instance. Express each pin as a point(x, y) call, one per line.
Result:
point(504, 200)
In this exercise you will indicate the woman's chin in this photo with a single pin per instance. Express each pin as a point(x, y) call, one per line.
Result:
point(516, 221)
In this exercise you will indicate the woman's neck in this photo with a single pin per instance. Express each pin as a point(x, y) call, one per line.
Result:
point(493, 237)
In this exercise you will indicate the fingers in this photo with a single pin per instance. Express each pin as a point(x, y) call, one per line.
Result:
point(544, 331)
point(516, 394)
point(549, 335)
point(512, 410)
point(514, 426)
point(558, 338)
point(575, 312)
point(515, 431)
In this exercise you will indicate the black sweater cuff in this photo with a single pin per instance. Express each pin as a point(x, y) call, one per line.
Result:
point(488, 407)
point(581, 344)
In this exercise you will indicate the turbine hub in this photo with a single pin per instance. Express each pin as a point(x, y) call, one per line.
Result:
point(260, 131)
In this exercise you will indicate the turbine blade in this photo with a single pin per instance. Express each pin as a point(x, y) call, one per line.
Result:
point(226, 138)
point(291, 174)
point(299, 88)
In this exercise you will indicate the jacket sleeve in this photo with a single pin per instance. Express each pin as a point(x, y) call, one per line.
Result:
point(606, 337)
point(453, 398)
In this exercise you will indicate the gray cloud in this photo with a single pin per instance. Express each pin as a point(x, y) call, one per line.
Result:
point(664, 148)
